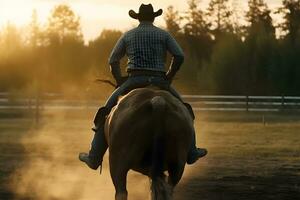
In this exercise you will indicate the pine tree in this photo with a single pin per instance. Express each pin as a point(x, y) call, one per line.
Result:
point(172, 20)
point(290, 47)
point(291, 13)
point(35, 37)
point(64, 25)
point(260, 45)
point(65, 48)
point(196, 24)
point(11, 40)
point(258, 17)
point(219, 15)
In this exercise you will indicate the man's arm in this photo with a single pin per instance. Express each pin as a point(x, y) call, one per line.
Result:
point(177, 59)
point(116, 55)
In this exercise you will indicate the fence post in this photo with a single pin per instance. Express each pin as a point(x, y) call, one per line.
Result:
point(37, 107)
point(282, 101)
point(247, 103)
point(29, 104)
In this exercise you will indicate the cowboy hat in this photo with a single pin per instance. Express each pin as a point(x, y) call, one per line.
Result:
point(145, 13)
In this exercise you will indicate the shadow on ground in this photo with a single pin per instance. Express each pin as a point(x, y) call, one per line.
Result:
point(281, 186)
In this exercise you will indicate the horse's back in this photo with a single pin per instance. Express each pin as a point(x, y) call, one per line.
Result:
point(136, 122)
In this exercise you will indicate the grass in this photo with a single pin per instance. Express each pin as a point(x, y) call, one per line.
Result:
point(247, 159)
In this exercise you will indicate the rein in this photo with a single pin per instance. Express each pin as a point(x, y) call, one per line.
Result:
point(107, 81)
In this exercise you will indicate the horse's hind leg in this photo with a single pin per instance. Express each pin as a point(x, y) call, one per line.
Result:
point(121, 196)
point(175, 173)
point(120, 187)
point(119, 181)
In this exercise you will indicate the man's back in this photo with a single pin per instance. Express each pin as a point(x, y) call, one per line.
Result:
point(146, 47)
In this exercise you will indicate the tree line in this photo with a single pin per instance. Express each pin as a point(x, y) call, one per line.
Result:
point(223, 54)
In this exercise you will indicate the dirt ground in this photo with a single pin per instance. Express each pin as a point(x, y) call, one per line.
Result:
point(247, 159)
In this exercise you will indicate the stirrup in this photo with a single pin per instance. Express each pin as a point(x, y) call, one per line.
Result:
point(100, 169)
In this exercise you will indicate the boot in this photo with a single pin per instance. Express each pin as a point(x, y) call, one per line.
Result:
point(84, 157)
point(94, 158)
point(194, 152)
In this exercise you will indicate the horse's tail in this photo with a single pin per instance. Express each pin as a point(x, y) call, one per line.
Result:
point(160, 189)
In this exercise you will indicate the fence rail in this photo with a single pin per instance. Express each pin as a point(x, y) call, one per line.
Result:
point(198, 102)
point(244, 103)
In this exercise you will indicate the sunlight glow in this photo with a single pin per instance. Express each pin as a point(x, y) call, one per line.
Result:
point(95, 14)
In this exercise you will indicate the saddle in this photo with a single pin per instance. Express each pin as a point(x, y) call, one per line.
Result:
point(101, 114)
point(166, 88)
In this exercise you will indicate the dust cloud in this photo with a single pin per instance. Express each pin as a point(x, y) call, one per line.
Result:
point(51, 169)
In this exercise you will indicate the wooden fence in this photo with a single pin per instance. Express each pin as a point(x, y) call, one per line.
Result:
point(244, 103)
point(198, 102)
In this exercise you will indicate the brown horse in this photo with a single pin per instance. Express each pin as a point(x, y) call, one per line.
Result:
point(149, 131)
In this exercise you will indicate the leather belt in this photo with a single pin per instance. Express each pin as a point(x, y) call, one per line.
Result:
point(146, 73)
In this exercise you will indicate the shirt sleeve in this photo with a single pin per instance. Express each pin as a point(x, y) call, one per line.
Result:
point(118, 51)
point(173, 47)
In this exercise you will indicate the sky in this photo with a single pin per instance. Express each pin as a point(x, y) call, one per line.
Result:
point(95, 15)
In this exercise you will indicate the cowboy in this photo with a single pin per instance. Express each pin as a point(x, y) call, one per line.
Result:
point(146, 47)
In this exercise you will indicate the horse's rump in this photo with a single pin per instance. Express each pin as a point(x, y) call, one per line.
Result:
point(145, 124)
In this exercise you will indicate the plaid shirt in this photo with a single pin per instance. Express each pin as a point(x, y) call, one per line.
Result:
point(146, 47)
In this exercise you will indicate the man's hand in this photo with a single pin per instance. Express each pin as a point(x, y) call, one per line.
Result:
point(174, 67)
point(169, 78)
point(116, 72)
